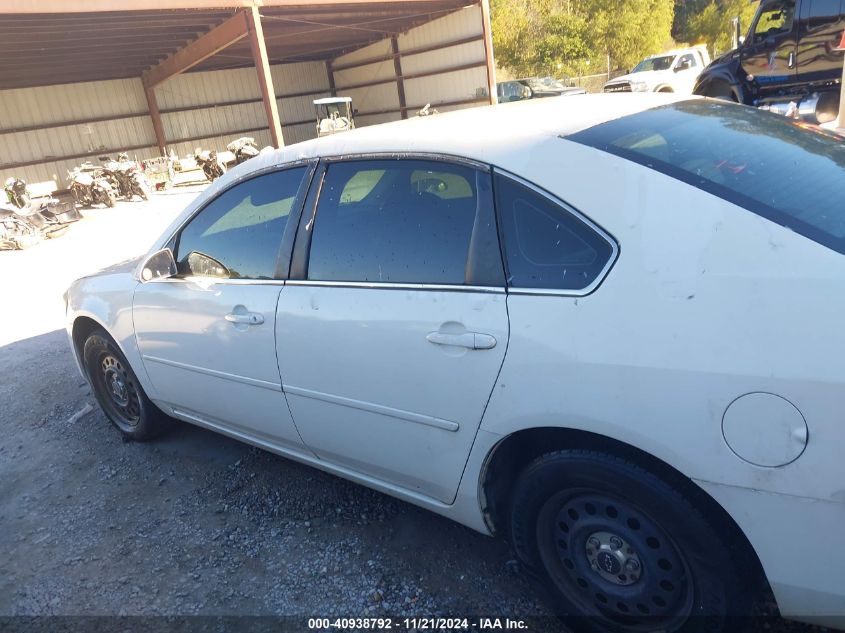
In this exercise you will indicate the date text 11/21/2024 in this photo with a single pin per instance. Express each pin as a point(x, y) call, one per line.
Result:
point(416, 624)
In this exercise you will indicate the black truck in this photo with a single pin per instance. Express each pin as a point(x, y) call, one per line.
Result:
point(789, 62)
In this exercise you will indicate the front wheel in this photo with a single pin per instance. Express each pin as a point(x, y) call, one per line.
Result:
point(620, 549)
point(118, 391)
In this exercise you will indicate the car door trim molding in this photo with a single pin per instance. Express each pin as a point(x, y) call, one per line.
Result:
point(377, 285)
point(568, 208)
point(409, 155)
point(253, 382)
point(409, 416)
point(222, 281)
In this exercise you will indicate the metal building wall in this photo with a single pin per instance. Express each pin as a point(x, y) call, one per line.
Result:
point(38, 113)
point(442, 63)
point(207, 109)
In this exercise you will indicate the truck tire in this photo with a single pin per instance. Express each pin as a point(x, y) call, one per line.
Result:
point(721, 90)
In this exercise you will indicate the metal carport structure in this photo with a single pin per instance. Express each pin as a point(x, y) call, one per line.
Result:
point(129, 55)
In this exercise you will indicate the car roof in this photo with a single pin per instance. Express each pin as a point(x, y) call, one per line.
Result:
point(503, 135)
point(487, 133)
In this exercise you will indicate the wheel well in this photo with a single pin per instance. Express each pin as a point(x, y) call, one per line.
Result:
point(82, 328)
point(510, 457)
point(665, 89)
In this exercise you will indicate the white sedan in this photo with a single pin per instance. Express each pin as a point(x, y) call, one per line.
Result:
point(609, 329)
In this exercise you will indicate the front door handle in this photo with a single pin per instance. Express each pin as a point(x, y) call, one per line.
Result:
point(246, 318)
point(470, 340)
point(791, 60)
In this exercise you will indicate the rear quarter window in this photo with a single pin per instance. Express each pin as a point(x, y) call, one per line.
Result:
point(785, 171)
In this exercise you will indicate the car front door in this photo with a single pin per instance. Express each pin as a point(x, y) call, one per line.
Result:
point(206, 336)
point(393, 327)
point(770, 55)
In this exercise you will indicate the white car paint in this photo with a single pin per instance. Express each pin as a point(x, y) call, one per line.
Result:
point(704, 323)
point(673, 79)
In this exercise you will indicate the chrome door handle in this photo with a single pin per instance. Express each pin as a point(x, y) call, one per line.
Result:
point(470, 340)
point(248, 318)
point(791, 61)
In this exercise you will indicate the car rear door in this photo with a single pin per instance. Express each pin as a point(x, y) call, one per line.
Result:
point(393, 327)
point(207, 335)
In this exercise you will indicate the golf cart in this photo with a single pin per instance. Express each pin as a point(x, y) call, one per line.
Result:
point(334, 114)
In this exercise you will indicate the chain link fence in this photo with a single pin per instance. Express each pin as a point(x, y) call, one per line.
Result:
point(593, 83)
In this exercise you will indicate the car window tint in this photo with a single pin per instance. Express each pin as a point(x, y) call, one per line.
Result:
point(241, 229)
point(790, 173)
point(689, 58)
point(408, 221)
point(546, 246)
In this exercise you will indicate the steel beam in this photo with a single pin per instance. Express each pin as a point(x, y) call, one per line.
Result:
point(397, 70)
point(232, 30)
point(265, 79)
point(110, 6)
point(488, 51)
point(155, 115)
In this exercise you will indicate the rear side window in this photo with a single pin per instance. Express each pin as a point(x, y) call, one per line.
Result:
point(394, 221)
point(547, 246)
point(777, 168)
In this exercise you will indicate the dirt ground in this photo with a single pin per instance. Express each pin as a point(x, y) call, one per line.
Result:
point(195, 523)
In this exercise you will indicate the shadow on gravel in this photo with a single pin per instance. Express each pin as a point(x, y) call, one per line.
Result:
point(198, 524)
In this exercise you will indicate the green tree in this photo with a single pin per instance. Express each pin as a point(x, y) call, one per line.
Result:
point(712, 25)
point(630, 30)
point(539, 37)
point(568, 37)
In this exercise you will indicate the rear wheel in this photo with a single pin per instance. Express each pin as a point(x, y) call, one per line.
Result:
point(620, 549)
point(118, 391)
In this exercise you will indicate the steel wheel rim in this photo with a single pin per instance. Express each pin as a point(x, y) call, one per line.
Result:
point(657, 595)
point(119, 391)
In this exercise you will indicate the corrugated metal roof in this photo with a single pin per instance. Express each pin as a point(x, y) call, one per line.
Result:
point(52, 48)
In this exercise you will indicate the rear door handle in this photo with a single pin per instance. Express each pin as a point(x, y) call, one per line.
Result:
point(247, 318)
point(470, 340)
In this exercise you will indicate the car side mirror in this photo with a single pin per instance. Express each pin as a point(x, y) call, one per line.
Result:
point(159, 265)
point(202, 265)
point(683, 66)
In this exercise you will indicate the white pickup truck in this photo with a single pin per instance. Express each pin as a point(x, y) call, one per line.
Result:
point(673, 71)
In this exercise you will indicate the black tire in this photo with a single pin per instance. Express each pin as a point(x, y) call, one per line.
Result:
point(721, 90)
point(619, 549)
point(118, 391)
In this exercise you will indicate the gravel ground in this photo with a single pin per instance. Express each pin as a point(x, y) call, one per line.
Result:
point(196, 523)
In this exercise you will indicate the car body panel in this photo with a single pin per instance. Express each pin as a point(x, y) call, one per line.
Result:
point(678, 273)
point(204, 366)
point(720, 302)
point(368, 390)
